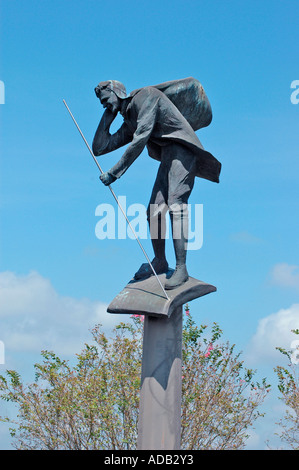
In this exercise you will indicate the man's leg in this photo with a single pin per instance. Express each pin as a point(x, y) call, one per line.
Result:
point(157, 226)
point(156, 216)
point(179, 223)
point(181, 180)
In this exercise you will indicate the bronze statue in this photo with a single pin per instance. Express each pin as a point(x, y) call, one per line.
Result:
point(162, 118)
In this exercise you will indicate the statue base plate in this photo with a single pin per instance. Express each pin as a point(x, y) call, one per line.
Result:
point(146, 297)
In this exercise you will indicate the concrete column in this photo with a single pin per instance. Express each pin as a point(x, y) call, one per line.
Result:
point(159, 424)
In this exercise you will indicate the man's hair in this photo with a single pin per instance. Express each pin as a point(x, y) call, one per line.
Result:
point(117, 87)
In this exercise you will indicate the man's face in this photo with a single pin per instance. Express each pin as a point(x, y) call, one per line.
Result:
point(109, 100)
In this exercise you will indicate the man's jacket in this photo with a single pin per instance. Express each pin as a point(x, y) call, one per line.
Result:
point(152, 120)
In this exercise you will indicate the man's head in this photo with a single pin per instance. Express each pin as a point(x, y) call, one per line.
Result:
point(110, 93)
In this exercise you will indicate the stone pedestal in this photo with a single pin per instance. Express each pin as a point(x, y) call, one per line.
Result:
point(146, 297)
point(161, 383)
point(159, 425)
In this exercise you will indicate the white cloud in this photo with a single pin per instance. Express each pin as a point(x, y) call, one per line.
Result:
point(33, 316)
point(253, 440)
point(285, 275)
point(245, 237)
point(273, 331)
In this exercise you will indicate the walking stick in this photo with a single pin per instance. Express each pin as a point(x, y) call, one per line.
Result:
point(117, 201)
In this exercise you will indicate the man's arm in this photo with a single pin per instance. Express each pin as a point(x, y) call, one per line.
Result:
point(103, 141)
point(146, 120)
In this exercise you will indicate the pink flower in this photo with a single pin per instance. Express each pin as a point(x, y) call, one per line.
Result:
point(210, 348)
point(141, 317)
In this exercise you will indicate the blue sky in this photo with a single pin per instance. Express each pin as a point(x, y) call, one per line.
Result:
point(56, 277)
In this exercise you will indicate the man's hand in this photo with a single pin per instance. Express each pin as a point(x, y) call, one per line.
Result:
point(110, 115)
point(107, 178)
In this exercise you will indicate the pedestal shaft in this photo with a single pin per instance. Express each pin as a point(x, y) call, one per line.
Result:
point(161, 385)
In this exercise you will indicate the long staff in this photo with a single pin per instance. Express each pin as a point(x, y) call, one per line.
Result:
point(117, 201)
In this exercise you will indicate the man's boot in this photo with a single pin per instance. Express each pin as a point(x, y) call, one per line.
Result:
point(179, 221)
point(159, 263)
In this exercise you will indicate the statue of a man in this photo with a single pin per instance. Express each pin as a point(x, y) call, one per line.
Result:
point(151, 119)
